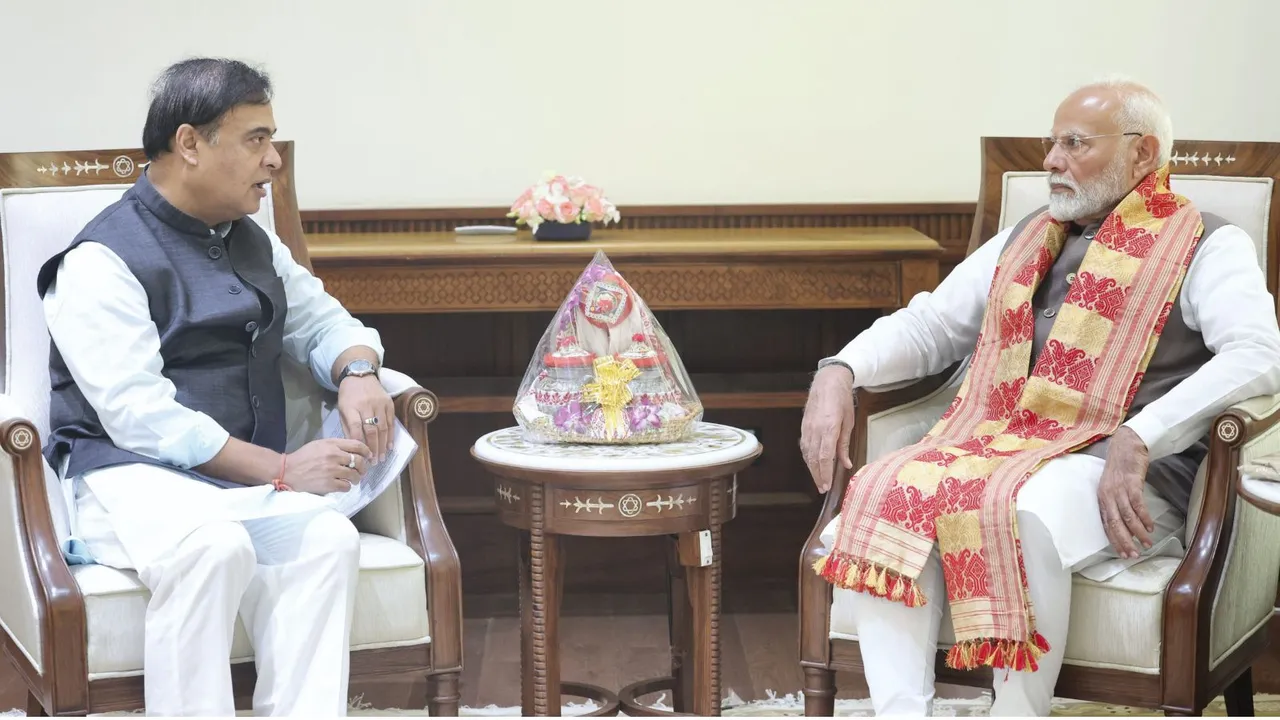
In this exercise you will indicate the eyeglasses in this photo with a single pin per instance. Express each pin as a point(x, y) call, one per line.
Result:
point(1073, 145)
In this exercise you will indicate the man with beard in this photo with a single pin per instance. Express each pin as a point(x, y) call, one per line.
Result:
point(1104, 333)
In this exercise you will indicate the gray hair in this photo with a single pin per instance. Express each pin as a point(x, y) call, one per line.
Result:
point(1141, 111)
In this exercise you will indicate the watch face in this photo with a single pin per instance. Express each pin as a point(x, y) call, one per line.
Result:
point(360, 367)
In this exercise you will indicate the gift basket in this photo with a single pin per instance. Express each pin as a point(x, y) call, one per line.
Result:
point(605, 372)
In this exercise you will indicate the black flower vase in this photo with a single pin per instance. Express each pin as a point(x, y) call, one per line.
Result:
point(554, 230)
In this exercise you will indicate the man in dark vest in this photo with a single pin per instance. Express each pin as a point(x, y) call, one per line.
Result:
point(170, 315)
point(1034, 465)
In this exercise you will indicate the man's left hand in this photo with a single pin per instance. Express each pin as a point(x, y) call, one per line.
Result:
point(1124, 514)
point(367, 413)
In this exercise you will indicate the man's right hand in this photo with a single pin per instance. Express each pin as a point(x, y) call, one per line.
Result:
point(828, 422)
point(323, 466)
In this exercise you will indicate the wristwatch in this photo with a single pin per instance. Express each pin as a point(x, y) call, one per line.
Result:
point(356, 368)
point(833, 361)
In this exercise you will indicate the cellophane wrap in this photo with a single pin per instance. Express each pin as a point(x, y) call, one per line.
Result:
point(605, 372)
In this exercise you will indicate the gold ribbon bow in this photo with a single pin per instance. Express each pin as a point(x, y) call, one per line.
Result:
point(609, 390)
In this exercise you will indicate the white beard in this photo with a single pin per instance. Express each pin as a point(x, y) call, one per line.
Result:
point(1088, 200)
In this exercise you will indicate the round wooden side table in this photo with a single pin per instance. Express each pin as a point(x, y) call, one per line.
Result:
point(686, 490)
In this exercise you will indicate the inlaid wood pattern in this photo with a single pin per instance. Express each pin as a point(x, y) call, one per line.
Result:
point(614, 505)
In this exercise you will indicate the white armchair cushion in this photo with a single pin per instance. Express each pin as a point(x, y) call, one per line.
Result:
point(391, 608)
point(905, 424)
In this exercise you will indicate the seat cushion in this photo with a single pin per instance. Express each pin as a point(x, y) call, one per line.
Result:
point(1114, 624)
point(391, 608)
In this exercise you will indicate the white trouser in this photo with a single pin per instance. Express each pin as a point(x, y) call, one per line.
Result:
point(290, 578)
point(1057, 514)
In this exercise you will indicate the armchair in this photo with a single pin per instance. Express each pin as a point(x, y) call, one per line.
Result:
point(1167, 633)
point(75, 632)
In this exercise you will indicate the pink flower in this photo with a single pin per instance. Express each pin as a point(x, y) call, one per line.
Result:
point(524, 198)
point(594, 210)
point(564, 199)
point(566, 212)
point(527, 213)
point(582, 193)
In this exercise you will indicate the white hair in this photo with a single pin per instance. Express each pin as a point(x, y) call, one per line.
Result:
point(1141, 111)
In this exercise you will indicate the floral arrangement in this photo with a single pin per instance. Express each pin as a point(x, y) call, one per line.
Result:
point(562, 199)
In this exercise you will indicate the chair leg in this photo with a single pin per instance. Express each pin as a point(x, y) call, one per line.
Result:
point(34, 708)
point(819, 692)
point(444, 698)
point(1239, 695)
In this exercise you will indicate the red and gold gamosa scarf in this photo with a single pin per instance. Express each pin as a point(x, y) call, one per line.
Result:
point(958, 486)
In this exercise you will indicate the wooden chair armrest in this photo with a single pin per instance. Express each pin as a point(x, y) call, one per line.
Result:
point(816, 593)
point(426, 533)
point(62, 681)
point(1188, 605)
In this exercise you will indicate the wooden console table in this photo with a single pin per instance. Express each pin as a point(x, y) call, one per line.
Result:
point(712, 269)
point(750, 309)
point(671, 269)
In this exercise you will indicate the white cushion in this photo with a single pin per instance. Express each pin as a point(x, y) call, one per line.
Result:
point(1114, 624)
point(391, 608)
point(1241, 201)
point(36, 224)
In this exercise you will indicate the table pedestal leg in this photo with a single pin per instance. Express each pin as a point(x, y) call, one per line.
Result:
point(680, 623)
point(541, 583)
point(698, 678)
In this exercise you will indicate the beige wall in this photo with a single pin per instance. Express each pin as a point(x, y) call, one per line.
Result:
point(418, 103)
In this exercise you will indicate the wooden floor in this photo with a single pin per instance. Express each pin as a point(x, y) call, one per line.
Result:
point(758, 650)
point(758, 654)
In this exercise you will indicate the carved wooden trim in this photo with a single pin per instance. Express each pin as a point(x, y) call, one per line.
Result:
point(800, 285)
point(538, 581)
point(716, 572)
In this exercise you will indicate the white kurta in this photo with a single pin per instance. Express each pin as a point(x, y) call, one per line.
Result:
point(104, 331)
point(284, 564)
point(1224, 297)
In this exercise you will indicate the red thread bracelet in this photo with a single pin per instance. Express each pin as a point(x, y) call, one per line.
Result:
point(279, 482)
